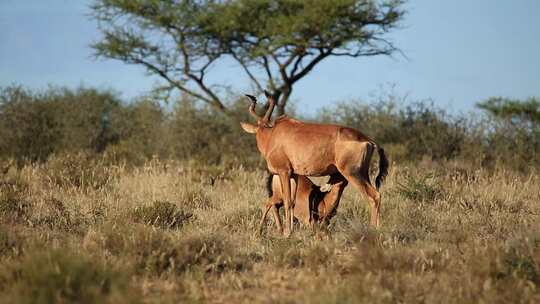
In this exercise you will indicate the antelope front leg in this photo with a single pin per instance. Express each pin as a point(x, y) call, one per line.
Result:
point(294, 188)
point(284, 178)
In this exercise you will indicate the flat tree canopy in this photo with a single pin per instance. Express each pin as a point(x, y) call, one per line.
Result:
point(275, 42)
point(521, 112)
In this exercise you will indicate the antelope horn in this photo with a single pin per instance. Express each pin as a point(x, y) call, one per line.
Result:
point(271, 105)
point(251, 98)
point(252, 106)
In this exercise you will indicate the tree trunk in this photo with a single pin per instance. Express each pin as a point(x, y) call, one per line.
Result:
point(282, 102)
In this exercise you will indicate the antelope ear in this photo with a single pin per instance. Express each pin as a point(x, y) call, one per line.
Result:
point(249, 127)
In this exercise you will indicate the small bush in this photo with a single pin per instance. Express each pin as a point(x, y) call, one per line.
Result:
point(57, 276)
point(79, 170)
point(53, 214)
point(521, 264)
point(162, 214)
point(14, 207)
point(287, 252)
point(424, 188)
point(195, 199)
point(241, 220)
point(155, 252)
point(318, 256)
point(211, 253)
point(9, 243)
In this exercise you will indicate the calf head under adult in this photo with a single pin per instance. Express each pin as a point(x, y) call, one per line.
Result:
point(313, 207)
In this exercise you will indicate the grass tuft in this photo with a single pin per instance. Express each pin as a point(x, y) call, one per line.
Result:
point(162, 214)
point(424, 188)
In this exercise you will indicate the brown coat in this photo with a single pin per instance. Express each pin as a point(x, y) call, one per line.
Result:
point(293, 148)
point(312, 205)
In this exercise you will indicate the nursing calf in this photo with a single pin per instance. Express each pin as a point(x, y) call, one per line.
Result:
point(312, 206)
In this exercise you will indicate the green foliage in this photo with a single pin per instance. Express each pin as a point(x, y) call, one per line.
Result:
point(111, 132)
point(423, 130)
point(205, 135)
point(513, 110)
point(513, 132)
point(276, 43)
point(123, 132)
point(28, 127)
point(430, 132)
point(34, 125)
point(142, 133)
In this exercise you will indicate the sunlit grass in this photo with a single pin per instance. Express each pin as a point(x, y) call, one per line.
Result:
point(171, 232)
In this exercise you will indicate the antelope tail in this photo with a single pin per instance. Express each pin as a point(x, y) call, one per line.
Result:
point(383, 168)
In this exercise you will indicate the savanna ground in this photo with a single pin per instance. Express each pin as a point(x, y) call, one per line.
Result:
point(74, 229)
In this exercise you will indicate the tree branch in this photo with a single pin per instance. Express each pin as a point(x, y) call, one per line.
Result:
point(266, 65)
point(214, 99)
point(296, 64)
point(174, 83)
point(310, 65)
point(248, 72)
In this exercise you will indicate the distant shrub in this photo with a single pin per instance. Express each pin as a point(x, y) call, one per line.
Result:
point(37, 124)
point(142, 133)
point(206, 135)
point(162, 214)
point(420, 128)
point(34, 125)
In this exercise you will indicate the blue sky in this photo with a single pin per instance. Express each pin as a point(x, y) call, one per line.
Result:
point(459, 52)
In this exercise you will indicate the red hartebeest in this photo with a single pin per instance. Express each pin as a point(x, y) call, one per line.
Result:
point(293, 148)
point(312, 205)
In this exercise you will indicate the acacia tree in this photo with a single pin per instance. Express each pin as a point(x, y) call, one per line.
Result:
point(275, 42)
point(514, 111)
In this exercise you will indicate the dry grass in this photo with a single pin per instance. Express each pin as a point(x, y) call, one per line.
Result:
point(165, 232)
